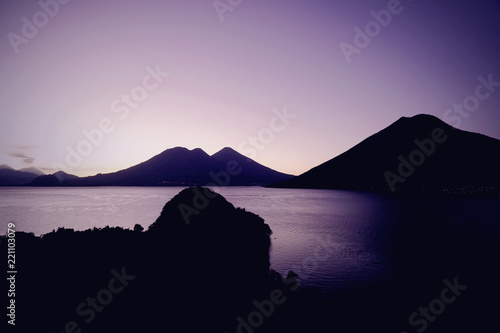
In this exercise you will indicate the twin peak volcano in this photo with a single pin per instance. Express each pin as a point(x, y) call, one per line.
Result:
point(183, 167)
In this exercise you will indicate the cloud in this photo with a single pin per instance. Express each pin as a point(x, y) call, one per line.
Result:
point(25, 158)
point(21, 147)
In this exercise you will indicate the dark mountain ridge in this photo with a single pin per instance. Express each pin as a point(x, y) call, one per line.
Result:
point(182, 167)
point(62, 176)
point(11, 177)
point(417, 154)
point(33, 170)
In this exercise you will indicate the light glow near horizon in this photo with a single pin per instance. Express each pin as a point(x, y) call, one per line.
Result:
point(225, 78)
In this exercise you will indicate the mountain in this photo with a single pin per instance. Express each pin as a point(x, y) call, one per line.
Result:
point(11, 177)
point(252, 173)
point(52, 180)
point(62, 176)
point(32, 170)
point(182, 167)
point(31, 176)
point(416, 154)
point(5, 166)
point(46, 180)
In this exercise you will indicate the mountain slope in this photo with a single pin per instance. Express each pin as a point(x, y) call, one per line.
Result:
point(416, 153)
point(5, 166)
point(11, 177)
point(32, 170)
point(46, 180)
point(251, 172)
point(182, 167)
point(52, 180)
point(62, 176)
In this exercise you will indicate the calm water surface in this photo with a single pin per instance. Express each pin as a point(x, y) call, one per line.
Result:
point(333, 239)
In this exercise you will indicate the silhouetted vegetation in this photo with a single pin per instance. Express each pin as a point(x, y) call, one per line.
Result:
point(196, 277)
point(206, 272)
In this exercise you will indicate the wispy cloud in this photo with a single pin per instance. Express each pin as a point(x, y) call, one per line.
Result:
point(21, 147)
point(22, 152)
point(25, 158)
point(25, 147)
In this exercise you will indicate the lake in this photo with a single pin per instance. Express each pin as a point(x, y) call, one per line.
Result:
point(335, 240)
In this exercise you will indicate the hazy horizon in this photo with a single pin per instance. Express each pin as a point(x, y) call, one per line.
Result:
point(296, 76)
point(190, 149)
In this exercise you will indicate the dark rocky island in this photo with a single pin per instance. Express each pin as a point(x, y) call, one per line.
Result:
point(195, 274)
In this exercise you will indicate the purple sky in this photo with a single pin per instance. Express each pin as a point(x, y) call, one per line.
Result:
point(228, 78)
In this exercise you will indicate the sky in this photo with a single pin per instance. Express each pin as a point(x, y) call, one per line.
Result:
point(97, 86)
